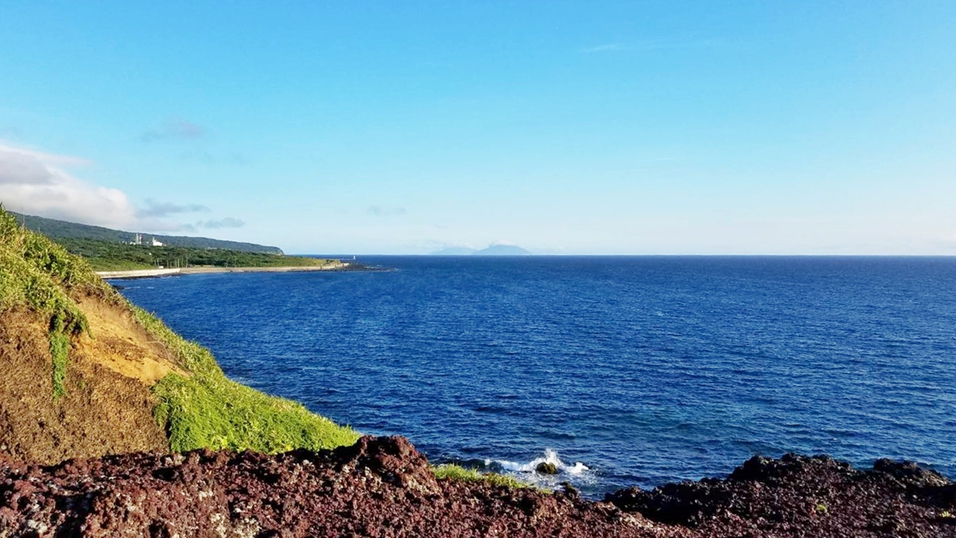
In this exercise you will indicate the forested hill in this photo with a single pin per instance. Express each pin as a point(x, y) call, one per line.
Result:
point(60, 229)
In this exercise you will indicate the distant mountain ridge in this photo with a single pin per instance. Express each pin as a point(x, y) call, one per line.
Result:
point(491, 250)
point(61, 229)
point(503, 250)
point(454, 251)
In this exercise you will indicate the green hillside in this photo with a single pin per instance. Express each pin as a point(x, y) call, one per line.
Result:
point(61, 229)
point(111, 256)
point(58, 295)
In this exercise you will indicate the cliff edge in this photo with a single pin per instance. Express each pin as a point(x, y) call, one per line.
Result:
point(88, 374)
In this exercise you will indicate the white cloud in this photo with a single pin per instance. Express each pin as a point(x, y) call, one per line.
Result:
point(22, 169)
point(38, 183)
point(228, 222)
point(174, 129)
point(380, 211)
point(652, 45)
point(609, 47)
point(156, 209)
point(947, 241)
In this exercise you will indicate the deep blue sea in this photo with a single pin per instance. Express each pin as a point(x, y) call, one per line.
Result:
point(624, 370)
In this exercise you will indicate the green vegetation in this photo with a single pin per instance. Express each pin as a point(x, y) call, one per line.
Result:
point(206, 409)
point(59, 230)
point(109, 256)
point(37, 274)
point(214, 412)
point(202, 408)
point(60, 351)
point(457, 472)
point(199, 407)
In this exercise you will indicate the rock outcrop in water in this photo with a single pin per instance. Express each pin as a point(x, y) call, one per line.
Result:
point(546, 467)
point(383, 487)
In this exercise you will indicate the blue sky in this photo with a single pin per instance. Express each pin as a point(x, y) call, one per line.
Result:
point(564, 127)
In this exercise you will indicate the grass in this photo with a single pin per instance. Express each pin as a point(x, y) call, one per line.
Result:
point(206, 409)
point(114, 256)
point(202, 409)
point(457, 472)
point(38, 274)
point(60, 351)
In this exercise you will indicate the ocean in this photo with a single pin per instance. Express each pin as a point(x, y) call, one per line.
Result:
point(623, 371)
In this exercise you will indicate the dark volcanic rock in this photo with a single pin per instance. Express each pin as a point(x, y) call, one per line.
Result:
point(806, 497)
point(910, 474)
point(384, 487)
point(546, 468)
point(378, 487)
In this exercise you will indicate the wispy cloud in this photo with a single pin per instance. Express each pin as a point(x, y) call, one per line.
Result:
point(947, 241)
point(228, 222)
point(651, 45)
point(609, 47)
point(10, 131)
point(203, 157)
point(164, 209)
point(174, 129)
point(380, 211)
point(198, 156)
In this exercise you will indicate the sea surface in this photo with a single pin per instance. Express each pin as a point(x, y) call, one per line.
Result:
point(622, 370)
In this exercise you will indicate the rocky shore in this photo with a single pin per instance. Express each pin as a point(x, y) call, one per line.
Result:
point(384, 487)
point(88, 374)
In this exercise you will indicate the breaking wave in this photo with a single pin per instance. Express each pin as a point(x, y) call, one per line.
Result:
point(577, 474)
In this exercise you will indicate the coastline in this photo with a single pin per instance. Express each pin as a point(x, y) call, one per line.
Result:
point(383, 486)
point(152, 273)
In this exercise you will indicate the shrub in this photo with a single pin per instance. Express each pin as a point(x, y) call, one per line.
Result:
point(457, 472)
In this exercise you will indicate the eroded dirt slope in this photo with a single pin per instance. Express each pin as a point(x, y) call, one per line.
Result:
point(120, 344)
point(108, 406)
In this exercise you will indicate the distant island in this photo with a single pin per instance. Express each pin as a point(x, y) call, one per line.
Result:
point(454, 251)
point(491, 250)
point(503, 250)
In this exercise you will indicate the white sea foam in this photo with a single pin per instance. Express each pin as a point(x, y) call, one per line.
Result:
point(576, 473)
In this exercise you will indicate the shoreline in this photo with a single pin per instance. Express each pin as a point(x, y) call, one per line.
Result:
point(154, 273)
point(383, 486)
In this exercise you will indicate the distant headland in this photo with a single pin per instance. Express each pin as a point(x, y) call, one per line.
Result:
point(64, 231)
point(121, 254)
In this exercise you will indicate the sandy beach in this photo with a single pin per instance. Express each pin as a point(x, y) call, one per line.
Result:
point(151, 273)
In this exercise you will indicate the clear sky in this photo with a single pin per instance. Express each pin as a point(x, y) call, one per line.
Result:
point(564, 127)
